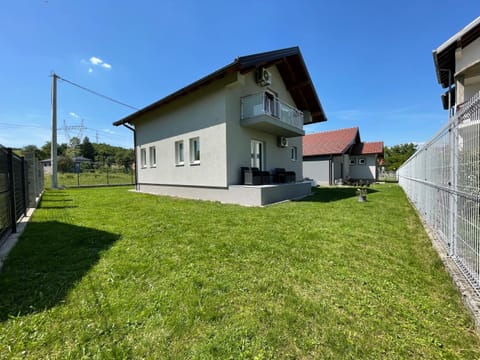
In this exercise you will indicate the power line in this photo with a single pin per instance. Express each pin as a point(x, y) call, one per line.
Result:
point(97, 93)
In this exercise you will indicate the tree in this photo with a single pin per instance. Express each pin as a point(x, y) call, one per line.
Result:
point(86, 149)
point(34, 149)
point(65, 164)
point(73, 146)
point(46, 150)
point(396, 155)
point(126, 158)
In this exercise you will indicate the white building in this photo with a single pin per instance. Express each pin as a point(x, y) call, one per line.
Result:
point(250, 113)
point(457, 64)
point(340, 157)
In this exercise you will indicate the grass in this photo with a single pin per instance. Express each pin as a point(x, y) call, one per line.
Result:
point(91, 179)
point(111, 274)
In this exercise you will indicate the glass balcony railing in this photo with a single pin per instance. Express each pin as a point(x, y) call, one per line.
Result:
point(266, 104)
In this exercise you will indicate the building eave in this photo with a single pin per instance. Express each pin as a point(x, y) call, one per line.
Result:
point(291, 66)
point(444, 55)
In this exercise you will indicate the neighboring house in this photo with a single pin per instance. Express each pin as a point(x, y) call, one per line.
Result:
point(457, 64)
point(339, 156)
point(250, 113)
point(77, 161)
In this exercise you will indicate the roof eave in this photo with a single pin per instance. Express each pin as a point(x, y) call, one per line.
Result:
point(182, 92)
point(243, 64)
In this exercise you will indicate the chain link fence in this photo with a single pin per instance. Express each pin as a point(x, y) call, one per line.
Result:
point(442, 180)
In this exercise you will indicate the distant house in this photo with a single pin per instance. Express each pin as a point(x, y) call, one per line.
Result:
point(457, 64)
point(77, 161)
point(234, 136)
point(339, 156)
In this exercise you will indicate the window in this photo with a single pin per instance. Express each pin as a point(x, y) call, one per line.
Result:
point(352, 162)
point(271, 104)
point(361, 161)
point(143, 158)
point(257, 154)
point(195, 150)
point(294, 153)
point(179, 157)
point(152, 152)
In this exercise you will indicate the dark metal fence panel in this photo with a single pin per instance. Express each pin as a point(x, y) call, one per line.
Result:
point(17, 176)
point(19, 188)
point(4, 193)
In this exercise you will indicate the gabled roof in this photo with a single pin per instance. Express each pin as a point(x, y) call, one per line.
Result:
point(444, 55)
point(368, 148)
point(333, 142)
point(290, 64)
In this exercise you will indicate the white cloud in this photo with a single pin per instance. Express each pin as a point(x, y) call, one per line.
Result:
point(109, 131)
point(95, 61)
point(72, 114)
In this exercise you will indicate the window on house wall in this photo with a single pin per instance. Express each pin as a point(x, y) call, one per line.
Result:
point(352, 162)
point(195, 150)
point(293, 155)
point(179, 153)
point(152, 152)
point(361, 161)
point(143, 158)
point(257, 154)
point(271, 104)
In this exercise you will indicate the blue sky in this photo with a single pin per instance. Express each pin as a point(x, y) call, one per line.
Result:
point(370, 61)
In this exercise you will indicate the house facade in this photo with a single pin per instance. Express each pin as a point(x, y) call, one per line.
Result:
point(457, 65)
point(339, 157)
point(248, 114)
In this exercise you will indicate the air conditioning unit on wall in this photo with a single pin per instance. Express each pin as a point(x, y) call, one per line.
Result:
point(282, 141)
point(263, 77)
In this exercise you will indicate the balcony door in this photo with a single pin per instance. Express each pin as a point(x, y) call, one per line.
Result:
point(257, 154)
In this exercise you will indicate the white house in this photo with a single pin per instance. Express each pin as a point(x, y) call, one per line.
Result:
point(248, 114)
point(339, 157)
point(457, 64)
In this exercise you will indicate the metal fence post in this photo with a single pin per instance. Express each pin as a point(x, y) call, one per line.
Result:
point(13, 220)
point(24, 185)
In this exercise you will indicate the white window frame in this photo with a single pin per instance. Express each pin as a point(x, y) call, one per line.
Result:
point(294, 153)
point(179, 153)
point(143, 158)
point(194, 151)
point(362, 161)
point(152, 156)
point(353, 162)
point(257, 154)
point(270, 103)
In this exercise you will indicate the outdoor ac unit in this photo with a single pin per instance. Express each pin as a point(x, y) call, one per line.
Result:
point(264, 77)
point(282, 141)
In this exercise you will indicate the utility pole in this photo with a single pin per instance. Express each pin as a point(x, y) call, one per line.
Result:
point(53, 150)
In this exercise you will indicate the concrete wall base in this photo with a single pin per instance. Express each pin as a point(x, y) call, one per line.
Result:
point(247, 195)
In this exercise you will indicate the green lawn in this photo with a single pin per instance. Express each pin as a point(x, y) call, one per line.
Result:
point(111, 274)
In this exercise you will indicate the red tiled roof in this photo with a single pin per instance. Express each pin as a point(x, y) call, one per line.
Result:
point(329, 142)
point(372, 148)
point(367, 148)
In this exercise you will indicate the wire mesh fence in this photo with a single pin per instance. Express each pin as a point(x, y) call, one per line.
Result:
point(94, 174)
point(442, 180)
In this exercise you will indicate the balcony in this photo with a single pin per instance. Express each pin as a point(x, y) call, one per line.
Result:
point(264, 112)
